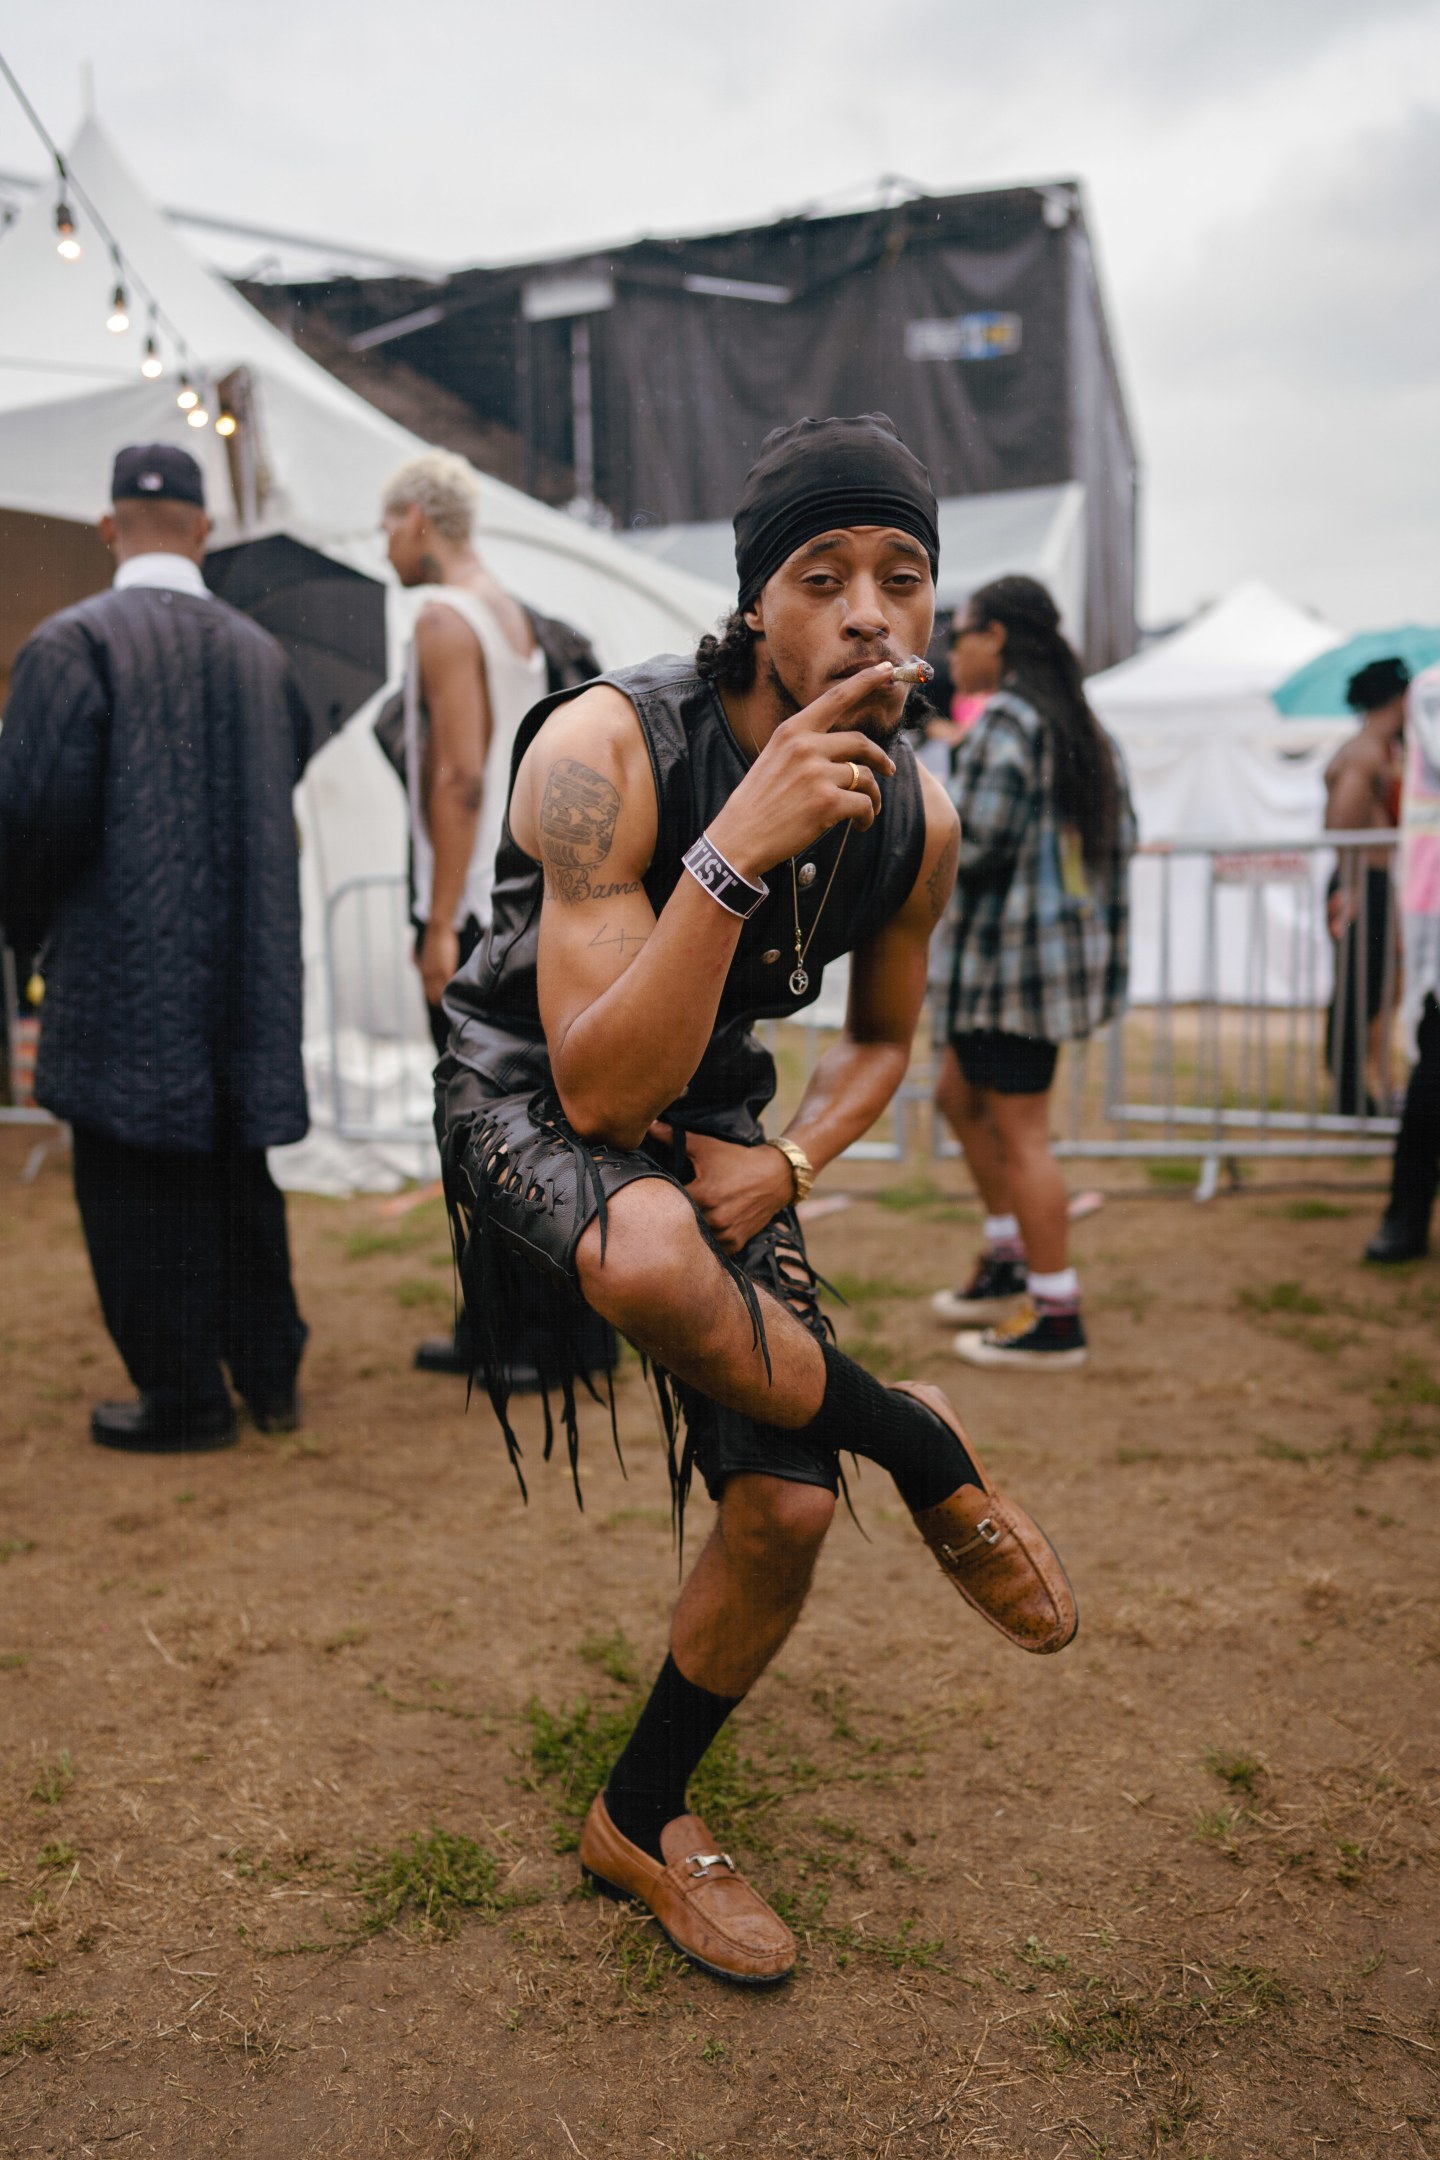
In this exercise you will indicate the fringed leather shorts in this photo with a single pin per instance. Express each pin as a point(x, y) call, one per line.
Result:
point(522, 1189)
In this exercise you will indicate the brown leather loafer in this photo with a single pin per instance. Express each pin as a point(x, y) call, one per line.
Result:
point(997, 1556)
point(704, 1904)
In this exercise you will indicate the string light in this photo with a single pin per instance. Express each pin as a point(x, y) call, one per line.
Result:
point(151, 364)
point(118, 319)
point(198, 414)
point(187, 397)
point(66, 244)
point(225, 421)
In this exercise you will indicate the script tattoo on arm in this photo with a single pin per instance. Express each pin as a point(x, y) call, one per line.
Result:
point(942, 877)
point(577, 826)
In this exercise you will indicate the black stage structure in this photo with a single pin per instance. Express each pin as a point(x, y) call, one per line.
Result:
point(638, 382)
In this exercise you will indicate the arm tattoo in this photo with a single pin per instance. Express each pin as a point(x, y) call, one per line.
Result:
point(942, 877)
point(622, 937)
point(577, 826)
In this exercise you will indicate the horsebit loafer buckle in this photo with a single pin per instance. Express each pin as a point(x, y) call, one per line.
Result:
point(702, 1862)
point(985, 1534)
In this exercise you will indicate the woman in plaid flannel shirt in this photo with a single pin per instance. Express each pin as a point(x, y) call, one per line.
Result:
point(1040, 957)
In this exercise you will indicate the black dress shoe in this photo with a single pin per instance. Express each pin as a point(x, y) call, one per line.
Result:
point(282, 1415)
point(141, 1428)
point(442, 1354)
point(1395, 1241)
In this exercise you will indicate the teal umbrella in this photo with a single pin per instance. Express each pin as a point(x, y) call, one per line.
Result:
point(1317, 690)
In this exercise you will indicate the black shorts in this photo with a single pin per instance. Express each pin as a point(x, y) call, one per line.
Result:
point(1008, 1064)
point(523, 1188)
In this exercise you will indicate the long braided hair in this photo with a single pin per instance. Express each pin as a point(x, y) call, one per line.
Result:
point(1041, 665)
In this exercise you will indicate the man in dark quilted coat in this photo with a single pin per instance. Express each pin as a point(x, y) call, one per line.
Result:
point(150, 746)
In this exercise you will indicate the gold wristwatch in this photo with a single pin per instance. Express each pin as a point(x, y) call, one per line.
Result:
point(802, 1170)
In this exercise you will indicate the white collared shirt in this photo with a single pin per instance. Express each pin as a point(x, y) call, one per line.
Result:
point(177, 572)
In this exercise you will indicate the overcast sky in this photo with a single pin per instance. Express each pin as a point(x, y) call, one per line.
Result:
point(1262, 178)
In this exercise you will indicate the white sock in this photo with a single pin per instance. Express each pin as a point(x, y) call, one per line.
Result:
point(1002, 1230)
point(1061, 1288)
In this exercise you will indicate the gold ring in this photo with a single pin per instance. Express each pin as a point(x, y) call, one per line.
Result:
point(854, 780)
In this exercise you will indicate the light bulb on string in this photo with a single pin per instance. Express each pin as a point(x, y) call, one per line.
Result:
point(199, 414)
point(66, 244)
point(225, 421)
point(118, 320)
point(151, 365)
point(187, 397)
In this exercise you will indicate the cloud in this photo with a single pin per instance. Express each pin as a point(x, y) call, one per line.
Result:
point(1299, 423)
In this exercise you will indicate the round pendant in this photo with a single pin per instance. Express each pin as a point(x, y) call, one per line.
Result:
point(805, 875)
point(799, 982)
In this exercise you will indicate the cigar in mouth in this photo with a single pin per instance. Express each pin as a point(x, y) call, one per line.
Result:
point(915, 670)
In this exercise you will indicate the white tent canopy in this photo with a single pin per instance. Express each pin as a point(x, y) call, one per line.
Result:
point(1210, 758)
point(315, 460)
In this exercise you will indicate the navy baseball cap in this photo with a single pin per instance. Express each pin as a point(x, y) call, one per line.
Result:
point(157, 472)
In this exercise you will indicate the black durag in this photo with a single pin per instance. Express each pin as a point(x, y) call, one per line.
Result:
point(822, 475)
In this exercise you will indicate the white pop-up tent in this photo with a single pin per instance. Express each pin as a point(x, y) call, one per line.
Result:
point(1209, 758)
point(311, 459)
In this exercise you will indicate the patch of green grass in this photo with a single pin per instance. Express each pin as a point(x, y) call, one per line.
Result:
point(1403, 1435)
point(876, 1357)
point(56, 1856)
point(575, 1748)
point(12, 1660)
point(347, 1639)
point(418, 1290)
point(432, 1879)
point(916, 1193)
point(35, 2039)
point(864, 1289)
point(1280, 1297)
point(1240, 1772)
point(1168, 1172)
point(1315, 1211)
point(903, 1948)
point(53, 1779)
point(1410, 1388)
point(1247, 1991)
point(422, 1227)
point(12, 1547)
point(1217, 1826)
point(1033, 1952)
point(614, 1655)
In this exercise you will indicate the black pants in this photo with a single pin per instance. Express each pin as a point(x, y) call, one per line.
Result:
point(192, 1262)
point(1347, 1034)
point(1416, 1169)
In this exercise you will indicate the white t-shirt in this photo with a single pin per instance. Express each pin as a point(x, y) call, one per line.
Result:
point(514, 682)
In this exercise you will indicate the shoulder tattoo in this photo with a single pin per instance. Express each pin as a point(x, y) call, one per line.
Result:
point(942, 877)
point(577, 827)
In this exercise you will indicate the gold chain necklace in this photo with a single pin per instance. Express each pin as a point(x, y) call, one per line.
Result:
point(799, 978)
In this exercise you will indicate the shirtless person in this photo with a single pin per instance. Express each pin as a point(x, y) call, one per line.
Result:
point(688, 843)
point(1362, 794)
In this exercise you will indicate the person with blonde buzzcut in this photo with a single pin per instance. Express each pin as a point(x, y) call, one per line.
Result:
point(473, 670)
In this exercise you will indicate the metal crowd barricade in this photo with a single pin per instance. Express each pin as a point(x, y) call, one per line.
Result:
point(1250, 1032)
point(1235, 1050)
point(379, 1056)
point(20, 1108)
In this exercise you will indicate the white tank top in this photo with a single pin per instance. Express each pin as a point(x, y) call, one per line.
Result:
point(513, 682)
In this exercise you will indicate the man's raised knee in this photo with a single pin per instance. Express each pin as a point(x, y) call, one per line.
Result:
point(651, 1233)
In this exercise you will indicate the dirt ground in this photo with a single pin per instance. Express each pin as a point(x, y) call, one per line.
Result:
point(293, 1738)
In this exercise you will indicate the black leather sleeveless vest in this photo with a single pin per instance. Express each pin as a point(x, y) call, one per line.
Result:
point(493, 1003)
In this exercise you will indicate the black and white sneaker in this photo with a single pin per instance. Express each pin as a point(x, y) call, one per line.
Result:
point(995, 1284)
point(1030, 1340)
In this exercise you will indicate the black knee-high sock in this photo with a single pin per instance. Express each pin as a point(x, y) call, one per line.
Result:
point(647, 1785)
point(857, 1413)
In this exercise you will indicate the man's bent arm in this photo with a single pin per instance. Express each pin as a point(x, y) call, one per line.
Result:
point(452, 676)
point(855, 1079)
